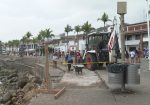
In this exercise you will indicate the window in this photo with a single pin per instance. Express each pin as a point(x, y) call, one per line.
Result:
point(145, 36)
point(137, 37)
point(129, 37)
point(132, 48)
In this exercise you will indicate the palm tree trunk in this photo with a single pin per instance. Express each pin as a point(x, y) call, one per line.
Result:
point(27, 49)
point(77, 42)
point(67, 41)
point(87, 42)
point(104, 27)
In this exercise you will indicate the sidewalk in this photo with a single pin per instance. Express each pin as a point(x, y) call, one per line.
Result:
point(141, 92)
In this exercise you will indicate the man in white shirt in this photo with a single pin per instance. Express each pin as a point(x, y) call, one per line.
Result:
point(132, 55)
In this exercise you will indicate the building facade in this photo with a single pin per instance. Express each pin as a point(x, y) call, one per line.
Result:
point(136, 36)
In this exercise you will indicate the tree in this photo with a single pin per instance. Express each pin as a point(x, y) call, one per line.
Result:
point(77, 30)
point(26, 39)
point(16, 44)
point(67, 30)
point(28, 35)
point(39, 38)
point(87, 28)
point(10, 44)
point(41, 35)
point(104, 18)
point(34, 40)
point(48, 34)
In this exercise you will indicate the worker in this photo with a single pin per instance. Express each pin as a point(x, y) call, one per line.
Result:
point(69, 60)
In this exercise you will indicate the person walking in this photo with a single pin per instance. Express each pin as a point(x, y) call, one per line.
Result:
point(139, 55)
point(78, 57)
point(69, 60)
point(136, 55)
point(127, 56)
point(132, 55)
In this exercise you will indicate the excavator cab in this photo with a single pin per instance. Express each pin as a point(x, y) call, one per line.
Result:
point(98, 52)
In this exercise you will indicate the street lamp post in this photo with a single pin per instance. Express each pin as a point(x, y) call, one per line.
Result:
point(122, 10)
point(148, 32)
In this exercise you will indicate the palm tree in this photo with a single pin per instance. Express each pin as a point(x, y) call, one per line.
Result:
point(16, 44)
point(28, 35)
point(41, 37)
point(24, 39)
point(35, 41)
point(104, 18)
point(6, 46)
point(87, 28)
point(67, 30)
point(48, 34)
point(77, 30)
point(10, 45)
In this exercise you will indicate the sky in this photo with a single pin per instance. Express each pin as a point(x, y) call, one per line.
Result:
point(17, 17)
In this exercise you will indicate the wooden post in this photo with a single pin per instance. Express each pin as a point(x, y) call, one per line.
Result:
point(141, 45)
point(47, 75)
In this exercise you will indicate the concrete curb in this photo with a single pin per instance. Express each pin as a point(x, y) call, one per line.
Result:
point(103, 81)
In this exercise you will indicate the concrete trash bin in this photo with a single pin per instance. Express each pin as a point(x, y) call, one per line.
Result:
point(116, 73)
point(133, 74)
point(115, 78)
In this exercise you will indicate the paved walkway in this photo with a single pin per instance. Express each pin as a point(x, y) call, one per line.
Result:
point(88, 96)
point(140, 95)
point(101, 95)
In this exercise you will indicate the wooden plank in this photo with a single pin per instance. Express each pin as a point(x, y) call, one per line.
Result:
point(59, 93)
point(46, 91)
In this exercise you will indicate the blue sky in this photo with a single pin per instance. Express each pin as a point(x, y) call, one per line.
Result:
point(20, 16)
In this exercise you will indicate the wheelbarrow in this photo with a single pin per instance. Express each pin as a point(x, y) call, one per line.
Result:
point(78, 68)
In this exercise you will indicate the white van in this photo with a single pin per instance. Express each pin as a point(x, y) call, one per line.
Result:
point(4, 52)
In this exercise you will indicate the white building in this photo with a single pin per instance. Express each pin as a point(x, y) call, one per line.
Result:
point(136, 36)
